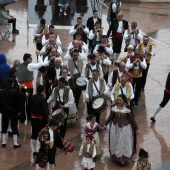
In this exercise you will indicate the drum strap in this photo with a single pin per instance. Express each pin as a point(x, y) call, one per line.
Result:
point(76, 67)
point(59, 96)
point(124, 95)
point(121, 90)
point(96, 87)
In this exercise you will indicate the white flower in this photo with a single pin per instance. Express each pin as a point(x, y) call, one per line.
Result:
point(25, 87)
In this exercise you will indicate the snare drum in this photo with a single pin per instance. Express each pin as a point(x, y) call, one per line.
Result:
point(81, 83)
point(99, 105)
point(59, 115)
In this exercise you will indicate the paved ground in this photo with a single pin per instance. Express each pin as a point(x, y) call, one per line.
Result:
point(152, 18)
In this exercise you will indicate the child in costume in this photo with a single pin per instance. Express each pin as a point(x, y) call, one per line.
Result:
point(49, 139)
point(92, 127)
point(143, 162)
point(88, 150)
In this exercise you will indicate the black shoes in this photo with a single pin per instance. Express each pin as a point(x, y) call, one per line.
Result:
point(16, 146)
point(15, 31)
point(4, 145)
point(153, 119)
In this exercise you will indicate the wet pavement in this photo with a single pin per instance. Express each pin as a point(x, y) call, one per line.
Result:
point(153, 19)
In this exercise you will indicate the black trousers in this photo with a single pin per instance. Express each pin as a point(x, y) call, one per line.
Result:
point(77, 94)
point(25, 105)
point(106, 77)
point(37, 125)
point(13, 21)
point(165, 100)
point(12, 116)
point(144, 75)
point(63, 127)
point(39, 46)
point(137, 86)
point(90, 110)
point(51, 155)
point(117, 44)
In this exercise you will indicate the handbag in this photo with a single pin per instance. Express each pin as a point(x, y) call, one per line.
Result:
point(68, 147)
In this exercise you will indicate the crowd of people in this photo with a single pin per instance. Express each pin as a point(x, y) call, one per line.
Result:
point(84, 70)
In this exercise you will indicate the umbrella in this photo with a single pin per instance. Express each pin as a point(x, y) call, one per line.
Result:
point(4, 3)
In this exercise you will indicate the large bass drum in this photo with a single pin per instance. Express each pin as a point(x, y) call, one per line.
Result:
point(81, 83)
point(59, 115)
point(99, 105)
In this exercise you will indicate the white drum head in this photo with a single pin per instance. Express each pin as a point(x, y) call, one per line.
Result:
point(80, 81)
point(56, 112)
point(98, 103)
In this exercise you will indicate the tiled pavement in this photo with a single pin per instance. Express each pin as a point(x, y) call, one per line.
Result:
point(152, 18)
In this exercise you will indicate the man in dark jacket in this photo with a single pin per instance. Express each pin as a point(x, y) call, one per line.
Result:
point(118, 27)
point(39, 114)
point(92, 20)
point(9, 107)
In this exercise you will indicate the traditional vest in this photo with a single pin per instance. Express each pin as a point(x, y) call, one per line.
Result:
point(47, 36)
point(88, 68)
point(149, 47)
point(104, 67)
point(128, 91)
point(71, 65)
point(136, 40)
point(95, 37)
point(65, 95)
point(140, 166)
point(116, 76)
point(136, 73)
point(39, 29)
point(90, 87)
point(23, 74)
point(90, 149)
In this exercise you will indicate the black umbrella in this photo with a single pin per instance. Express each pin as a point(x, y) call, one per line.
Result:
point(4, 3)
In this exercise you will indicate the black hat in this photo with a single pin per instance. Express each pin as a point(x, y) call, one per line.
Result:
point(91, 56)
point(101, 49)
point(143, 153)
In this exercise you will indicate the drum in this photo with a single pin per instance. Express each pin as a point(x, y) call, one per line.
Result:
point(99, 105)
point(59, 115)
point(81, 83)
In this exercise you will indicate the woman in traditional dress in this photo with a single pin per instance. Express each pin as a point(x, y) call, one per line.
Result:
point(121, 134)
